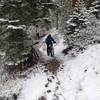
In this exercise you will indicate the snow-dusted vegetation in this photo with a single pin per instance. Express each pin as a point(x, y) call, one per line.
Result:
point(28, 72)
point(78, 80)
point(82, 29)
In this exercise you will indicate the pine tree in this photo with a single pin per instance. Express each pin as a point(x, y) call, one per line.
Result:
point(82, 28)
point(14, 14)
point(25, 10)
point(61, 13)
point(76, 23)
point(95, 8)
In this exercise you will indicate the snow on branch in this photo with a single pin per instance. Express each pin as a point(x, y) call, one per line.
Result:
point(14, 27)
point(9, 21)
point(3, 20)
point(12, 21)
point(96, 2)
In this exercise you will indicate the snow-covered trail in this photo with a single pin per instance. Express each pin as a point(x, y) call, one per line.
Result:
point(79, 80)
point(81, 76)
point(35, 86)
point(58, 47)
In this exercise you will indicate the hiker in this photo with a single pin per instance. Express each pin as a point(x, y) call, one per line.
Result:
point(49, 42)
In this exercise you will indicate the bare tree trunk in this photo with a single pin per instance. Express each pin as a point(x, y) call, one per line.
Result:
point(57, 20)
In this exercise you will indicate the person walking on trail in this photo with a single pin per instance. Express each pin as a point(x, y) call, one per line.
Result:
point(49, 42)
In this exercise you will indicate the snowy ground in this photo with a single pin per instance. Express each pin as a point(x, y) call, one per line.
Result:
point(79, 80)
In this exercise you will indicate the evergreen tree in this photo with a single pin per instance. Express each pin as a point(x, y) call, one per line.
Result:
point(25, 10)
point(95, 8)
point(76, 23)
point(80, 28)
point(14, 14)
point(61, 13)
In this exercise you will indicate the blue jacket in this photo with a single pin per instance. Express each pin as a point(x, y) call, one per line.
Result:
point(49, 40)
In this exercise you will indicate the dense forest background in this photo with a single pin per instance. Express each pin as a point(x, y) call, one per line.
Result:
point(22, 20)
point(18, 17)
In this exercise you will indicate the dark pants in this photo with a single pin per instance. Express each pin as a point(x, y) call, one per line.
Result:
point(50, 50)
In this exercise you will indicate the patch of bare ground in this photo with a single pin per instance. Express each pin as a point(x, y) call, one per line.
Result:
point(42, 98)
point(53, 65)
